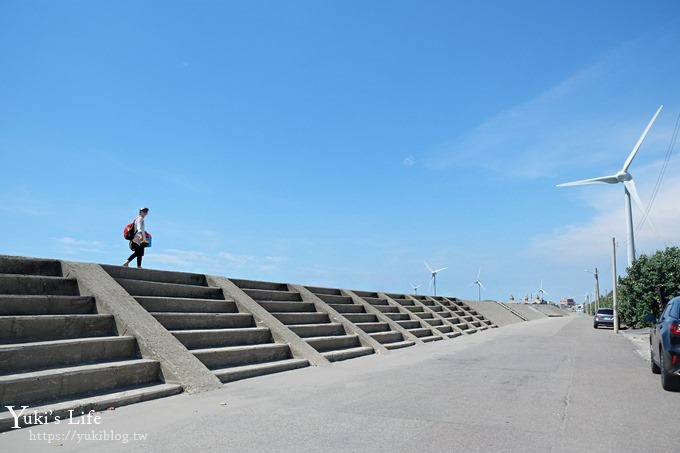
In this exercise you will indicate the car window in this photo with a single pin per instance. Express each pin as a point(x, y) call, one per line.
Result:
point(667, 310)
point(675, 311)
point(605, 311)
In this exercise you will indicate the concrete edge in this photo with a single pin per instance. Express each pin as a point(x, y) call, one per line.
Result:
point(482, 306)
point(436, 315)
point(364, 338)
point(280, 332)
point(178, 365)
point(381, 316)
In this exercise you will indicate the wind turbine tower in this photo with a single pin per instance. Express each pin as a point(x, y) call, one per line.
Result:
point(433, 279)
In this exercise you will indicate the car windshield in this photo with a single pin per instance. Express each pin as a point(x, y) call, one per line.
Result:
point(605, 311)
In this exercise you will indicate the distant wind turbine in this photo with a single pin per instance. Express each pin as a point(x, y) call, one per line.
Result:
point(629, 187)
point(415, 288)
point(542, 292)
point(433, 280)
point(480, 285)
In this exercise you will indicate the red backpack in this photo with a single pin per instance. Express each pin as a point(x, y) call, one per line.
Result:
point(129, 231)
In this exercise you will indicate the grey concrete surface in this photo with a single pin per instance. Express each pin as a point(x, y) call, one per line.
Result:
point(528, 311)
point(495, 312)
point(155, 342)
point(553, 385)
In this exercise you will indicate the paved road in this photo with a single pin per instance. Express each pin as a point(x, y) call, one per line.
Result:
point(554, 385)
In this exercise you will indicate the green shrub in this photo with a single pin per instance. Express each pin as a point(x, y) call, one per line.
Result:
point(639, 290)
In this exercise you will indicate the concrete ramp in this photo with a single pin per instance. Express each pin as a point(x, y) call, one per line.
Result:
point(496, 312)
point(551, 310)
point(529, 312)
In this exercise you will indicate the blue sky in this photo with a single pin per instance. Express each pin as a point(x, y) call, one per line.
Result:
point(338, 143)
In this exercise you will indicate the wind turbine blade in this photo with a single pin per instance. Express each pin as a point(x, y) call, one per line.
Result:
point(632, 190)
point(479, 273)
point(439, 270)
point(482, 285)
point(418, 286)
point(584, 182)
point(428, 266)
point(636, 148)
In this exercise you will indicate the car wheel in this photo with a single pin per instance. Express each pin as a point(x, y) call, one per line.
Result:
point(595, 326)
point(669, 381)
point(655, 367)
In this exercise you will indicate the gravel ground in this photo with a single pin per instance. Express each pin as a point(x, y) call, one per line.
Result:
point(640, 339)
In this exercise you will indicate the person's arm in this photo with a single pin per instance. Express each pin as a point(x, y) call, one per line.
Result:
point(139, 226)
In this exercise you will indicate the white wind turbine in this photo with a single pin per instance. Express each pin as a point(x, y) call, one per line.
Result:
point(480, 285)
point(542, 292)
point(415, 288)
point(433, 273)
point(629, 187)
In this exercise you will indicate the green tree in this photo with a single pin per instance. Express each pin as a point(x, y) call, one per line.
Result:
point(649, 277)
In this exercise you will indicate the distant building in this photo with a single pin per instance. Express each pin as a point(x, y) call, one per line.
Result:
point(567, 302)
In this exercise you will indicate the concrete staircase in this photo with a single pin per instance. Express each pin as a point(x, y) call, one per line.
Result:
point(409, 320)
point(227, 341)
point(464, 315)
point(377, 329)
point(312, 325)
point(58, 354)
point(432, 314)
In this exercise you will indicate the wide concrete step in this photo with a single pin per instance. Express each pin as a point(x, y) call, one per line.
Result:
point(146, 288)
point(335, 299)
point(186, 305)
point(95, 403)
point(193, 321)
point(387, 337)
point(318, 330)
point(405, 302)
point(253, 284)
point(287, 307)
point(421, 332)
point(346, 308)
point(445, 329)
point(59, 353)
point(61, 383)
point(152, 275)
point(409, 324)
point(302, 318)
point(215, 338)
point(370, 327)
point(28, 266)
point(22, 329)
point(375, 300)
point(259, 369)
point(433, 321)
point(398, 316)
point(361, 317)
point(387, 308)
point(13, 305)
point(215, 358)
point(346, 354)
point(430, 338)
point(265, 294)
point(324, 344)
point(416, 309)
point(399, 345)
point(30, 285)
point(453, 334)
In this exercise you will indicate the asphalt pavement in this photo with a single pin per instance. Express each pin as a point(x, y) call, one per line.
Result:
point(553, 385)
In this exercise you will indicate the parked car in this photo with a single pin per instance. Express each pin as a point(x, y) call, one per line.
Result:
point(664, 345)
point(603, 317)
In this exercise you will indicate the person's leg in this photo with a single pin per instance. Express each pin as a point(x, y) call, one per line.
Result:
point(139, 250)
point(130, 258)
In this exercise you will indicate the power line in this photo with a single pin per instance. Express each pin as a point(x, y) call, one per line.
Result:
point(657, 186)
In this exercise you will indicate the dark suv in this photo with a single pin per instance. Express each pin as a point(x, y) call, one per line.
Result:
point(664, 345)
point(603, 317)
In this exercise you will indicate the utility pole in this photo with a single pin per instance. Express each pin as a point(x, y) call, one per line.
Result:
point(597, 290)
point(614, 283)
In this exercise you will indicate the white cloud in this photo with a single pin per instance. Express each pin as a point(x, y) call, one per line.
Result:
point(409, 161)
point(73, 246)
point(219, 263)
point(587, 241)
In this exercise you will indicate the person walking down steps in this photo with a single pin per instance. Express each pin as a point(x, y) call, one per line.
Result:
point(139, 238)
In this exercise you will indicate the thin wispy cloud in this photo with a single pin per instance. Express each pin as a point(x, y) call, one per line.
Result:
point(225, 263)
point(580, 122)
point(409, 161)
point(73, 246)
